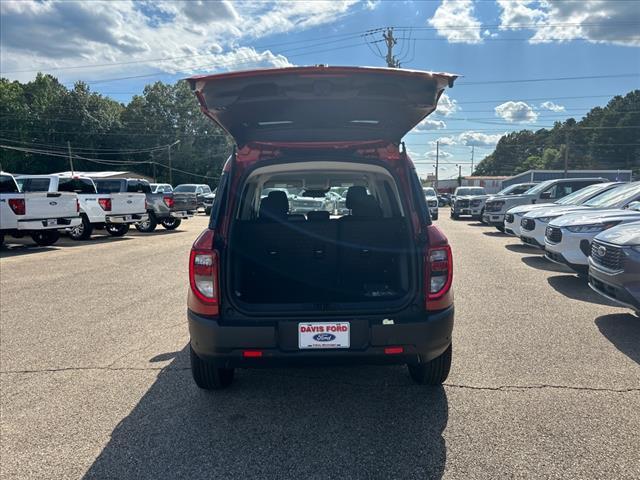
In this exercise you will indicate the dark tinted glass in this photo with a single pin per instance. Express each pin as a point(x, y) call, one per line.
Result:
point(35, 185)
point(76, 185)
point(108, 186)
point(7, 184)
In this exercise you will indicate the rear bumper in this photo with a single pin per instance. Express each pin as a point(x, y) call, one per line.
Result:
point(423, 338)
point(182, 214)
point(128, 218)
point(46, 223)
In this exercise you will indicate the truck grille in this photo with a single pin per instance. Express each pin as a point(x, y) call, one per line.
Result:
point(554, 234)
point(528, 224)
point(433, 203)
point(462, 203)
point(608, 256)
point(508, 218)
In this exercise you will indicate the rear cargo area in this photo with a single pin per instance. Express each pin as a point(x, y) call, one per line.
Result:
point(322, 259)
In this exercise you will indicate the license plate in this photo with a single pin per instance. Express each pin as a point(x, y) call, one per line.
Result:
point(324, 335)
point(128, 217)
point(51, 221)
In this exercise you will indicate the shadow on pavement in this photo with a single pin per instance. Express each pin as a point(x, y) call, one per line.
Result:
point(352, 422)
point(522, 248)
point(16, 250)
point(27, 247)
point(623, 330)
point(497, 233)
point(477, 224)
point(576, 288)
point(158, 231)
point(542, 263)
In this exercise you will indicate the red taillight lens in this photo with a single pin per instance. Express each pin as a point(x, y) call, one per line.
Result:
point(77, 206)
point(438, 272)
point(105, 203)
point(168, 201)
point(204, 269)
point(18, 206)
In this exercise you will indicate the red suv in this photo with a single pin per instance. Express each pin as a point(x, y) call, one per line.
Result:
point(368, 282)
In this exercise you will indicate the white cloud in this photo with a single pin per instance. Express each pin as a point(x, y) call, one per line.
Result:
point(371, 4)
point(455, 20)
point(478, 139)
point(516, 112)
point(204, 33)
point(444, 141)
point(430, 124)
point(597, 21)
point(554, 107)
point(446, 106)
point(432, 154)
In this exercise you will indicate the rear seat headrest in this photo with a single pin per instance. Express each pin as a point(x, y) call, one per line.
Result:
point(280, 201)
point(274, 206)
point(318, 215)
point(354, 194)
point(367, 207)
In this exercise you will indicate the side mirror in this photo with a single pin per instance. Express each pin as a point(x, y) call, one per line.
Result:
point(634, 206)
point(545, 195)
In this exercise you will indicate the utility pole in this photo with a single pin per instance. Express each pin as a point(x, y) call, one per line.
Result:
point(437, 158)
point(566, 155)
point(472, 149)
point(459, 175)
point(70, 156)
point(155, 180)
point(169, 153)
point(392, 62)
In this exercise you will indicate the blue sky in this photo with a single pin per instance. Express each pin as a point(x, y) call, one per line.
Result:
point(484, 41)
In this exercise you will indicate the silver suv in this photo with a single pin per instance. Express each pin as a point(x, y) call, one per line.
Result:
point(614, 265)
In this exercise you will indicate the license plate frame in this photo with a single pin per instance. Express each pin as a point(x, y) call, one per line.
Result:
point(128, 218)
point(51, 221)
point(324, 335)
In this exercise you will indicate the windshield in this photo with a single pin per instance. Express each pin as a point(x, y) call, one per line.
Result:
point(429, 192)
point(540, 187)
point(514, 190)
point(580, 196)
point(616, 198)
point(185, 188)
point(470, 191)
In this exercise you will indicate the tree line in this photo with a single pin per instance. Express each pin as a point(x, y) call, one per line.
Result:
point(606, 138)
point(43, 115)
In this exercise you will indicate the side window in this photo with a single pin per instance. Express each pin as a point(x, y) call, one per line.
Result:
point(8, 184)
point(199, 190)
point(565, 189)
point(549, 192)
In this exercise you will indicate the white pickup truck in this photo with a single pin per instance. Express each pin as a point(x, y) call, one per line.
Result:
point(40, 214)
point(114, 212)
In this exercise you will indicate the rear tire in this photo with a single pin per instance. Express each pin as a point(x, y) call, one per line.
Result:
point(434, 372)
point(44, 238)
point(207, 376)
point(1, 240)
point(82, 231)
point(434, 217)
point(207, 210)
point(117, 230)
point(455, 216)
point(171, 223)
point(149, 225)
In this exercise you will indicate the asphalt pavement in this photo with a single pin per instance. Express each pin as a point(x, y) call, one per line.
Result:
point(95, 379)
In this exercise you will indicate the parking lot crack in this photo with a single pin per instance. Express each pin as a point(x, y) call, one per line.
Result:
point(520, 388)
point(107, 368)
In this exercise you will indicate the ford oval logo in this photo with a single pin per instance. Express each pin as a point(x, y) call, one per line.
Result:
point(53, 203)
point(601, 251)
point(324, 337)
point(129, 201)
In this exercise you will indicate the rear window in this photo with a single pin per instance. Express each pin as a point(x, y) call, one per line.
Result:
point(429, 192)
point(34, 184)
point(76, 185)
point(470, 191)
point(138, 186)
point(8, 184)
point(185, 188)
point(318, 195)
point(108, 186)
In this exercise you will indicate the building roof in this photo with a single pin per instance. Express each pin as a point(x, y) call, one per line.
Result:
point(107, 174)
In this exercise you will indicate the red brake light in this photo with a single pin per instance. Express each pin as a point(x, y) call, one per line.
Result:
point(18, 206)
point(438, 275)
point(105, 203)
point(77, 206)
point(204, 269)
point(393, 350)
point(168, 201)
point(252, 353)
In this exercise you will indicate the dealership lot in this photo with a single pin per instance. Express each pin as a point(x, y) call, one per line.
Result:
point(95, 377)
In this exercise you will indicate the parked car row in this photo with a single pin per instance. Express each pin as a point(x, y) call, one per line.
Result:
point(44, 206)
point(592, 227)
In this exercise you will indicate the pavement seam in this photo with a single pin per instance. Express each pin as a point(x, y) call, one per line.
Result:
point(500, 388)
